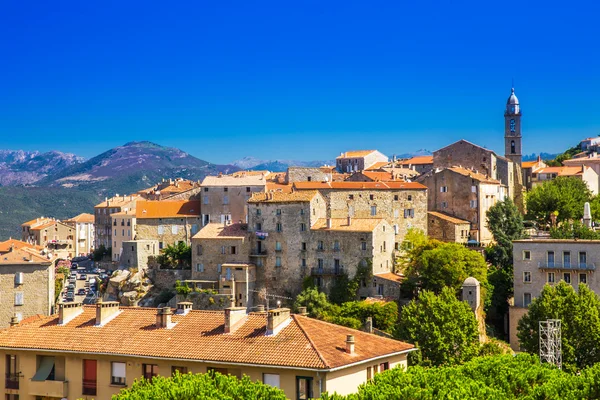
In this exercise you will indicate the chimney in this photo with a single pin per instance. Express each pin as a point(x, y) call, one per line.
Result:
point(369, 325)
point(350, 344)
point(277, 319)
point(234, 318)
point(68, 311)
point(349, 220)
point(14, 321)
point(163, 318)
point(106, 312)
point(184, 307)
point(302, 311)
point(329, 223)
point(260, 308)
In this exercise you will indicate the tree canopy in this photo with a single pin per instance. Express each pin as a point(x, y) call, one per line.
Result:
point(442, 327)
point(505, 222)
point(211, 386)
point(176, 256)
point(563, 195)
point(579, 312)
point(574, 230)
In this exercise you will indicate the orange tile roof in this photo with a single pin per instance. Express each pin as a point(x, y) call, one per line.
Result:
point(528, 164)
point(17, 244)
point(220, 231)
point(377, 165)
point(341, 224)
point(83, 218)
point(473, 175)
point(167, 209)
point(279, 187)
point(281, 197)
point(119, 201)
point(24, 255)
point(448, 218)
point(560, 171)
point(347, 185)
point(379, 176)
point(418, 160)
point(234, 180)
point(356, 153)
point(47, 225)
point(37, 221)
point(174, 187)
point(199, 335)
point(390, 276)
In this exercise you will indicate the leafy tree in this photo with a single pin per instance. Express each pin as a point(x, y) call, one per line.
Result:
point(211, 386)
point(579, 312)
point(176, 256)
point(444, 328)
point(101, 252)
point(343, 289)
point(505, 222)
point(564, 195)
point(316, 302)
point(384, 314)
point(501, 282)
point(574, 230)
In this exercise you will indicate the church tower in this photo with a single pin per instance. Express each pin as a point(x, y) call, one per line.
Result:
point(512, 129)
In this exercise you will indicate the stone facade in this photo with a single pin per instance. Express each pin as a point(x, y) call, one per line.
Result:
point(136, 252)
point(306, 174)
point(167, 231)
point(102, 217)
point(447, 228)
point(540, 262)
point(224, 197)
point(353, 161)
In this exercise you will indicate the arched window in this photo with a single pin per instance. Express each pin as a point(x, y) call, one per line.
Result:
point(512, 147)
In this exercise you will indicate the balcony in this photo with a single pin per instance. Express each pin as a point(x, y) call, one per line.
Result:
point(569, 266)
point(320, 271)
point(256, 253)
point(89, 387)
point(11, 381)
point(48, 388)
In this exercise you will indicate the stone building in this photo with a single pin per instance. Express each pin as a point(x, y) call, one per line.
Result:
point(26, 282)
point(83, 224)
point(466, 195)
point(57, 237)
point(169, 221)
point(447, 228)
point(224, 197)
point(359, 160)
point(529, 168)
point(136, 252)
point(173, 189)
point(123, 225)
point(540, 262)
point(402, 204)
point(102, 217)
point(306, 174)
point(421, 164)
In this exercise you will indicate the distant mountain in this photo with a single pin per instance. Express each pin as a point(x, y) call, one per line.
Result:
point(545, 156)
point(256, 164)
point(18, 167)
point(420, 152)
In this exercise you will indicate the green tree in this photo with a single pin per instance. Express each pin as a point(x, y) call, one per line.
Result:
point(574, 230)
point(444, 328)
point(565, 195)
point(505, 222)
point(579, 312)
point(211, 386)
point(176, 256)
point(316, 302)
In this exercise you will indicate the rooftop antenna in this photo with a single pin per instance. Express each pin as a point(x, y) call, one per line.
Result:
point(513, 83)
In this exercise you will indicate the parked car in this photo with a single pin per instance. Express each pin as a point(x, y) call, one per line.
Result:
point(70, 286)
point(81, 292)
point(80, 258)
point(74, 266)
point(82, 277)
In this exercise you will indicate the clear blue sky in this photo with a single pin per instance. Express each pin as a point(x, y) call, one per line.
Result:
point(300, 80)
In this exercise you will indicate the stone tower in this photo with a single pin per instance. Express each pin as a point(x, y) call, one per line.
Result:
point(512, 129)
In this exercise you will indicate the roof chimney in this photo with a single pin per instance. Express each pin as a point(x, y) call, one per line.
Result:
point(68, 311)
point(329, 223)
point(349, 220)
point(163, 318)
point(277, 319)
point(106, 312)
point(302, 311)
point(234, 318)
point(14, 321)
point(350, 344)
point(260, 308)
point(369, 325)
point(184, 307)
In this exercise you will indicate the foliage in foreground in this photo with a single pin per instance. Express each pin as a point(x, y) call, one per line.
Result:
point(211, 386)
point(563, 196)
point(489, 378)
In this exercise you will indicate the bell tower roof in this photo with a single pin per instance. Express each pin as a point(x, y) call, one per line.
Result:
point(512, 99)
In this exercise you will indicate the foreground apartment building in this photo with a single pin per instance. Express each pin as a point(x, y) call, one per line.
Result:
point(69, 356)
point(540, 262)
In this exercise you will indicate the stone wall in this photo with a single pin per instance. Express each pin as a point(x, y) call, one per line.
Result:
point(218, 204)
point(165, 278)
point(447, 231)
point(211, 253)
point(167, 231)
point(306, 174)
point(466, 155)
point(206, 301)
point(136, 253)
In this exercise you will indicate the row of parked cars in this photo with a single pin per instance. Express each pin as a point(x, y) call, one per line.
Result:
point(89, 289)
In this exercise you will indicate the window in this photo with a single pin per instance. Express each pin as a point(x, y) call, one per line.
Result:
point(373, 210)
point(303, 262)
point(526, 299)
point(384, 366)
point(409, 198)
point(233, 250)
point(351, 197)
point(583, 278)
point(12, 374)
point(258, 211)
point(200, 267)
point(526, 255)
point(473, 189)
point(303, 246)
point(320, 263)
point(161, 229)
point(278, 227)
point(444, 204)
point(248, 189)
point(551, 277)
point(320, 245)
point(409, 213)
point(271, 380)
point(277, 246)
point(149, 371)
point(443, 189)
point(371, 197)
point(174, 229)
point(302, 227)
point(225, 199)
point(302, 211)
point(304, 388)
point(225, 189)
point(396, 197)
point(219, 268)
point(205, 199)
point(222, 249)
point(550, 255)
point(278, 261)
point(160, 245)
point(527, 277)
point(90, 369)
point(567, 259)
point(206, 189)
point(336, 245)
point(278, 211)
point(473, 203)
point(181, 370)
point(19, 301)
point(582, 259)
point(363, 245)
point(396, 213)
point(258, 226)
point(199, 249)
point(567, 277)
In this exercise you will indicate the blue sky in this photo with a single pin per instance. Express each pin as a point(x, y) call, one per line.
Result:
point(296, 80)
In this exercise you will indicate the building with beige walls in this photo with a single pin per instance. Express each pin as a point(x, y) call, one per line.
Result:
point(529, 168)
point(123, 225)
point(358, 160)
point(57, 237)
point(302, 356)
point(168, 221)
point(583, 173)
point(102, 217)
point(540, 262)
point(447, 228)
point(84, 233)
point(224, 197)
point(466, 195)
point(26, 281)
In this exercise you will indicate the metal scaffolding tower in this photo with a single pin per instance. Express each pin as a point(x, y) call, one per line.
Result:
point(550, 342)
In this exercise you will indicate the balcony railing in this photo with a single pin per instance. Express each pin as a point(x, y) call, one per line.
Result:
point(48, 388)
point(89, 387)
point(12, 381)
point(572, 266)
point(327, 270)
point(256, 253)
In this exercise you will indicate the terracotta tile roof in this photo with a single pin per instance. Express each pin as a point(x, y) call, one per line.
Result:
point(390, 276)
point(347, 185)
point(418, 160)
point(379, 176)
point(24, 255)
point(169, 188)
point(528, 164)
point(199, 335)
point(339, 177)
point(17, 244)
point(328, 169)
point(235, 180)
point(167, 209)
point(37, 221)
point(356, 153)
point(377, 165)
point(48, 225)
point(280, 197)
point(279, 187)
point(447, 217)
point(560, 171)
point(220, 231)
point(473, 175)
point(341, 224)
point(83, 218)
point(119, 201)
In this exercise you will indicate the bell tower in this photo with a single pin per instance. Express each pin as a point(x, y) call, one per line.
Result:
point(512, 129)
